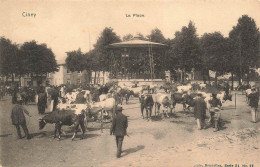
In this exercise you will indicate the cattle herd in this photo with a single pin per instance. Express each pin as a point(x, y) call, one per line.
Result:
point(97, 103)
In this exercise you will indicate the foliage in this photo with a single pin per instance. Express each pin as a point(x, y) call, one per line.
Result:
point(185, 52)
point(215, 52)
point(128, 37)
point(38, 58)
point(156, 36)
point(245, 40)
point(75, 60)
point(8, 57)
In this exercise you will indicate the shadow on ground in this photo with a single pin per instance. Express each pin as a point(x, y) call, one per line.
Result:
point(132, 150)
point(5, 135)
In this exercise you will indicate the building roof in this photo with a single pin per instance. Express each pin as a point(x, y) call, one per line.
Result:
point(136, 43)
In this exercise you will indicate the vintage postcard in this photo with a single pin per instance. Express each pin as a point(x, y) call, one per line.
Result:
point(138, 83)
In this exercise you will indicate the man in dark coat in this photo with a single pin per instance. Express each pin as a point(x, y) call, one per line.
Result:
point(253, 103)
point(118, 128)
point(200, 111)
point(18, 119)
point(42, 103)
point(80, 98)
point(14, 95)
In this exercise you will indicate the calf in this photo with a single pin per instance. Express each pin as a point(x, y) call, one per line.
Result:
point(64, 117)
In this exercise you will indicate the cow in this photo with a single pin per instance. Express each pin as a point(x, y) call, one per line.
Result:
point(125, 93)
point(64, 117)
point(103, 97)
point(162, 100)
point(147, 103)
point(224, 97)
point(107, 105)
point(179, 98)
point(136, 91)
point(184, 88)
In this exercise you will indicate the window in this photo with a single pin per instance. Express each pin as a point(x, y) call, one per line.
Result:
point(78, 81)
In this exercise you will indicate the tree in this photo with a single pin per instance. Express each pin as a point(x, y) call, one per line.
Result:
point(100, 53)
point(215, 54)
point(9, 58)
point(185, 51)
point(75, 60)
point(156, 36)
point(245, 39)
point(38, 58)
point(128, 37)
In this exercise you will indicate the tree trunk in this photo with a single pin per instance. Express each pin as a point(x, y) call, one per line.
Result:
point(103, 77)
point(239, 79)
point(6, 79)
point(181, 76)
point(216, 79)
point(20, 84)
point(89, 77)
point(31, 79)
point(95, 78)
point(247, 78)
point(208, 76)
point(12, 79)
point(232, 78)
point(203, 77)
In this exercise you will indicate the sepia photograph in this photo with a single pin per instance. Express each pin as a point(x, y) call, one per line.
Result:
point(138, 83)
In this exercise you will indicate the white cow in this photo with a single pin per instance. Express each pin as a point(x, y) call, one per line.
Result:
point(184, 88)
point(202, 86)
point(137, 91)
point(162, 100)
point(107, 105)
point(71, 97)
point(103, 97)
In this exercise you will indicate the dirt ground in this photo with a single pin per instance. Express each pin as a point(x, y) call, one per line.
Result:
point(173, 141)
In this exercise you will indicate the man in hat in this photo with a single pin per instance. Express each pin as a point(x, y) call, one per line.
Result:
point(42, 103)
point(118, 128)
point(18, 119)
point(200, 111)
point(253, 103)
point(214, 111)
point(80, 99)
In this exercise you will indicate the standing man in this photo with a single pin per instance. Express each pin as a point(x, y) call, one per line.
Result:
point(118, 128)
point(42, 102)
point(253, 103)
point(14, 94)
point(214, 111)
point(200, 111)
point(227, 89)
point(80, 98)
point(18, 119)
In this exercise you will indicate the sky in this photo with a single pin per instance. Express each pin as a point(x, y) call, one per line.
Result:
point(66, 25)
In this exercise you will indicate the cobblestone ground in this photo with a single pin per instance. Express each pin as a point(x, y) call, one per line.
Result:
point(173, 141)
